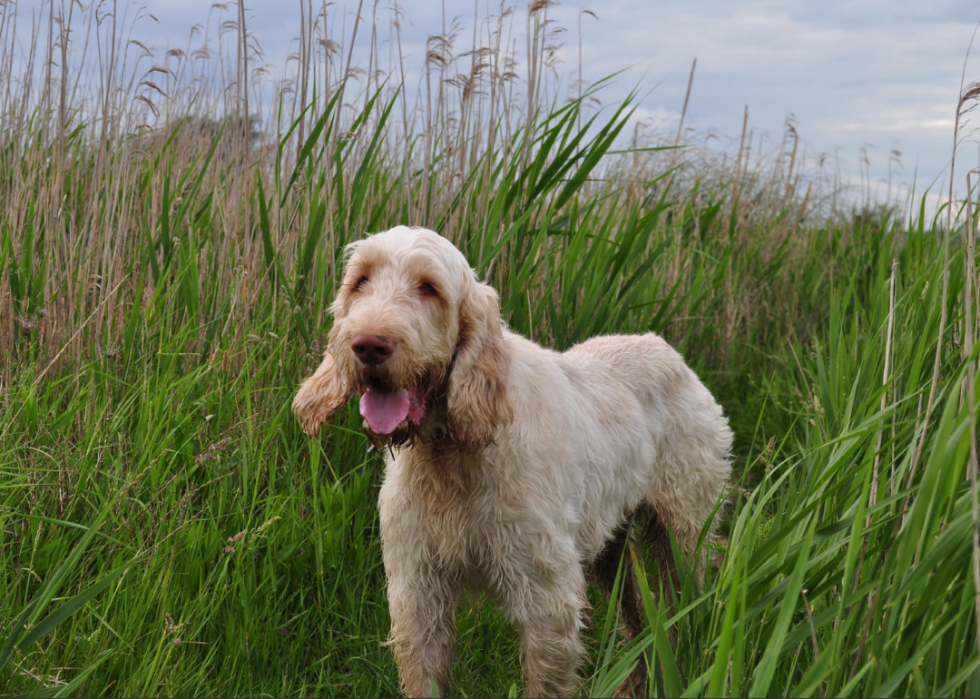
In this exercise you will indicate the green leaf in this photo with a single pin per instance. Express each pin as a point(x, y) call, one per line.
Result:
point(665, 653)
point(767, 667)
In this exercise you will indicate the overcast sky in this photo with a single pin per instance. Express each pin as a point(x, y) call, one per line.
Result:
point(878, 73)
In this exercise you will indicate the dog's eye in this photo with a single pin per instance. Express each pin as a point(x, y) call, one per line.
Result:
point(426, 289)
point(360, 283)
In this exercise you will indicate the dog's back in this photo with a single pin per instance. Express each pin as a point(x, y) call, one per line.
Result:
point(627, 424)
point(687, 461)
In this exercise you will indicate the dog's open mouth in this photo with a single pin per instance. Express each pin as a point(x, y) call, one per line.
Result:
point(386, 409)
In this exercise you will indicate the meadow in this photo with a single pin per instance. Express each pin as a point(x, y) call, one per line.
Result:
point(171, 233)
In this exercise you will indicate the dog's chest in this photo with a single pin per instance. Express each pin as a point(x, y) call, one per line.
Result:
point(458, 507)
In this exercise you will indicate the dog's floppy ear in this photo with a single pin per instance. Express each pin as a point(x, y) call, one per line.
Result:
point(320, 396)
point(477, 395)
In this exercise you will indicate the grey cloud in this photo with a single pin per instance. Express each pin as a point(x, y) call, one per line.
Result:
point(852, 72)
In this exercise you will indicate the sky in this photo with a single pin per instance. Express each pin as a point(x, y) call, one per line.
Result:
point(859, 75)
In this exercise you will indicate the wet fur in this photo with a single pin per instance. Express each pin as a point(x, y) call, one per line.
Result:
point(528, 464)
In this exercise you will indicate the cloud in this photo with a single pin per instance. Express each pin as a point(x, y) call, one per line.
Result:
point(850, 72)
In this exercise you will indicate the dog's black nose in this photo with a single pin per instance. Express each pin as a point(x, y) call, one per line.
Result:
point(372, 349)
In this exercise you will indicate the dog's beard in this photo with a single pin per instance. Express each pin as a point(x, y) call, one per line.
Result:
point(386, 409)
point(430, 429)
point(393, 411)
point(401, 403)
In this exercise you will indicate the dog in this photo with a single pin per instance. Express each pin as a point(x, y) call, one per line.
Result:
point(512, 469)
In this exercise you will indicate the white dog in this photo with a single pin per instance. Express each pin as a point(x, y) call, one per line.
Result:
point(512, 468)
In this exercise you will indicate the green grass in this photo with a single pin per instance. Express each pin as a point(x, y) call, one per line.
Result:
point(168, 530)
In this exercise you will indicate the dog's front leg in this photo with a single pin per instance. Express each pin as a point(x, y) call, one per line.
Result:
point(550, 619)
point(422, 603)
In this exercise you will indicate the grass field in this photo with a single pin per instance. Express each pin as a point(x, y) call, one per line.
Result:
point(167, 529)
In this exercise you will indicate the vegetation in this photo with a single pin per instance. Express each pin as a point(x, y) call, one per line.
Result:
point(164, 272)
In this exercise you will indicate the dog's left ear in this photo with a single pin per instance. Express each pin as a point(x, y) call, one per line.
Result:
point(477, 397)
point(320, 396)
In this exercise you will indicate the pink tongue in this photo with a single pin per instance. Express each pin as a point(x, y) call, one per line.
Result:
point(384, 410)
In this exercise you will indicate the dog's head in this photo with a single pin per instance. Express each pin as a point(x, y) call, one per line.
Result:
point(419, 337)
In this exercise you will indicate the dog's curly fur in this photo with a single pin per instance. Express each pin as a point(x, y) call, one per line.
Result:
point(527, 464)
